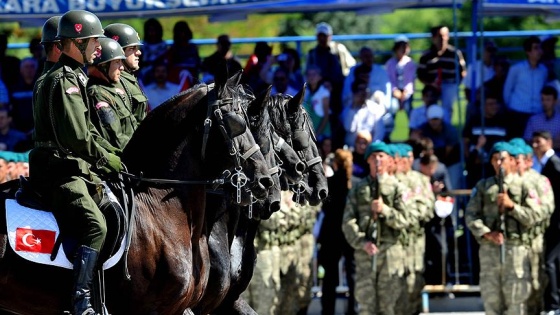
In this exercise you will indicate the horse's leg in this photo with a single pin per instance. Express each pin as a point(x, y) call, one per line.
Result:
point(218, 217)
point(3, 244)
point(243, 263)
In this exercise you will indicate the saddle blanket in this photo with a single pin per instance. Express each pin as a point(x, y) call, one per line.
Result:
point(32, 235)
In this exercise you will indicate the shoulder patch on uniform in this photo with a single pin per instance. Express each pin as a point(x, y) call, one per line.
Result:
point(119, 91)
point(100, 105)
point(73, 90)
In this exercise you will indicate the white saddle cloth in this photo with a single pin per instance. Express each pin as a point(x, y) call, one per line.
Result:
point(32, 234)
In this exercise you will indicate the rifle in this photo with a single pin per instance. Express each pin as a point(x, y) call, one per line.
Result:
point(502, 212)
point(374, 192)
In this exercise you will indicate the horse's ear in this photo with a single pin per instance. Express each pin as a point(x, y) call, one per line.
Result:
point(221, 77)
point(235, 79)
point(297, 100)
point(260, 101)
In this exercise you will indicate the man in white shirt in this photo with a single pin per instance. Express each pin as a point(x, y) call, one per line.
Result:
point(161, 90)
point(481, 69)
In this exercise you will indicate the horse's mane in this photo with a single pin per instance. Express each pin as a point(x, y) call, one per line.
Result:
point(164, 128)
point(279, 115)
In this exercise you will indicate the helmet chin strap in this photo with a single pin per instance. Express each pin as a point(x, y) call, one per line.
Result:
point(104, 68)
point(82, 47)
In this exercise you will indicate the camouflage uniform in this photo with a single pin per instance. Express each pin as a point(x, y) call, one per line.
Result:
point(306, 250)
point(377, 292)
point(535, 304)
point(421, 211)
point(504, 287)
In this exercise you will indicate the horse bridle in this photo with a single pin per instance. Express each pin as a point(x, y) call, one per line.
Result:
point(227, 126)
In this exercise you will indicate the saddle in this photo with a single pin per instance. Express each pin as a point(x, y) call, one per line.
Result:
point(115, 216)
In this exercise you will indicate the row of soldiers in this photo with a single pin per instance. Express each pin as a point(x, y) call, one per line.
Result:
point(82, 122)
point(385, 214)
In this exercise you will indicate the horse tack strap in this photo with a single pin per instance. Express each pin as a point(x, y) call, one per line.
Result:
point(314, 161)
point(217, 181)
point(250, 152)
point(278, 146)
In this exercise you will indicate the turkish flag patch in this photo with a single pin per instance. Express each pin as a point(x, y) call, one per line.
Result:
point(35, 241)
point(78, 27)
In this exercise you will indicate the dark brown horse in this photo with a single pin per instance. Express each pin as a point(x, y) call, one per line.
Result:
point(196, 135)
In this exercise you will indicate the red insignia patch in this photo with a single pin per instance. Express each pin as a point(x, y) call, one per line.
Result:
point(101, 105)
point(78, 27)
point(116, 38)
point(72, 90)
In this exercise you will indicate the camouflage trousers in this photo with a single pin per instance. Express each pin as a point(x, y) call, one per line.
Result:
point(504, 288)
point(305, 269)
point(288, 300)
point(264, 289)
point(539, 279)
point(415, 276)
point(379, 292)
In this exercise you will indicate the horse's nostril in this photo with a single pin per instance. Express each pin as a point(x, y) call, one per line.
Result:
point(323, 194)
point(266, 182)
point(275, 206)
point(300, 168)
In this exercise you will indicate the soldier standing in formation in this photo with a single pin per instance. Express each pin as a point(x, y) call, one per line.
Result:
point(541, 184)
point(50, 43)
point(379, 280)
point(69, 150)
point(422, 211)
point(129, 40)
point(500, 213)
point(109, 101)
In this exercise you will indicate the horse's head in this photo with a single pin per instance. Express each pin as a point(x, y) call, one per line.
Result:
point(304, 143)
point(261, 129)
point(227, 111)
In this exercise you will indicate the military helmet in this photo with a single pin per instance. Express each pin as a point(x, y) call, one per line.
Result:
point(79, 24)
point(124, 34)
point(110, 50)
point(50, 28)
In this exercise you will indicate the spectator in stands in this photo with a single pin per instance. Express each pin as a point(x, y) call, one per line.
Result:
point(548, 120)
point(154, 49)
point(377, 82)
point(317, 100)
point(161, 90)
point(496, 84)
point(22, 95)
point(280, 83)
point(446, 143)
point(362, 114)
point(335, 62)
point(9, 65)
point(333, 244)
point(255, 64)
point(401, 70)
point(290, 61)
point(37, 52)
point(418, 117)
point(484, 67)
point(523, 86)
point(479, 137)
point(360, 167)
point(183, 60)
point(223, 53)
point(548, 59)
point(9, 137)
point(437, 67)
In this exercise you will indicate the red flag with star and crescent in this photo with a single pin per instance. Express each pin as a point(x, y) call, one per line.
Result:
point(35, 241)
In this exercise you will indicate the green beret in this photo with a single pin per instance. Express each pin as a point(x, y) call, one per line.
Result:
point(407, 148)
point(8, 156)
point(517, 142)
point(23, 157)
point(377, 146)
point(528, 149)
point(393, 150)
point(503, 146)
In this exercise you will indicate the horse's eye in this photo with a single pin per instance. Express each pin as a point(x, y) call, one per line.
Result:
point(235, 124)
point(301, 140)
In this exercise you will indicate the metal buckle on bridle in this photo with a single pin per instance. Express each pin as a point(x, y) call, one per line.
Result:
point(238, 180)
point(298, 189)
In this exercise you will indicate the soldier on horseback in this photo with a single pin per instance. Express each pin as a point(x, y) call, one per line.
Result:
point(69, 152)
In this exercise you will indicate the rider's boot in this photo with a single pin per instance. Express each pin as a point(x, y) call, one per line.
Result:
point(84, 265)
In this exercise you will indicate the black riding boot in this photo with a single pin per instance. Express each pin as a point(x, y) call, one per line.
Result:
point(84, 265)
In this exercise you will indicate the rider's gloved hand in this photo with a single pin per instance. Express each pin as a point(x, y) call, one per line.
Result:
point(113, 164)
